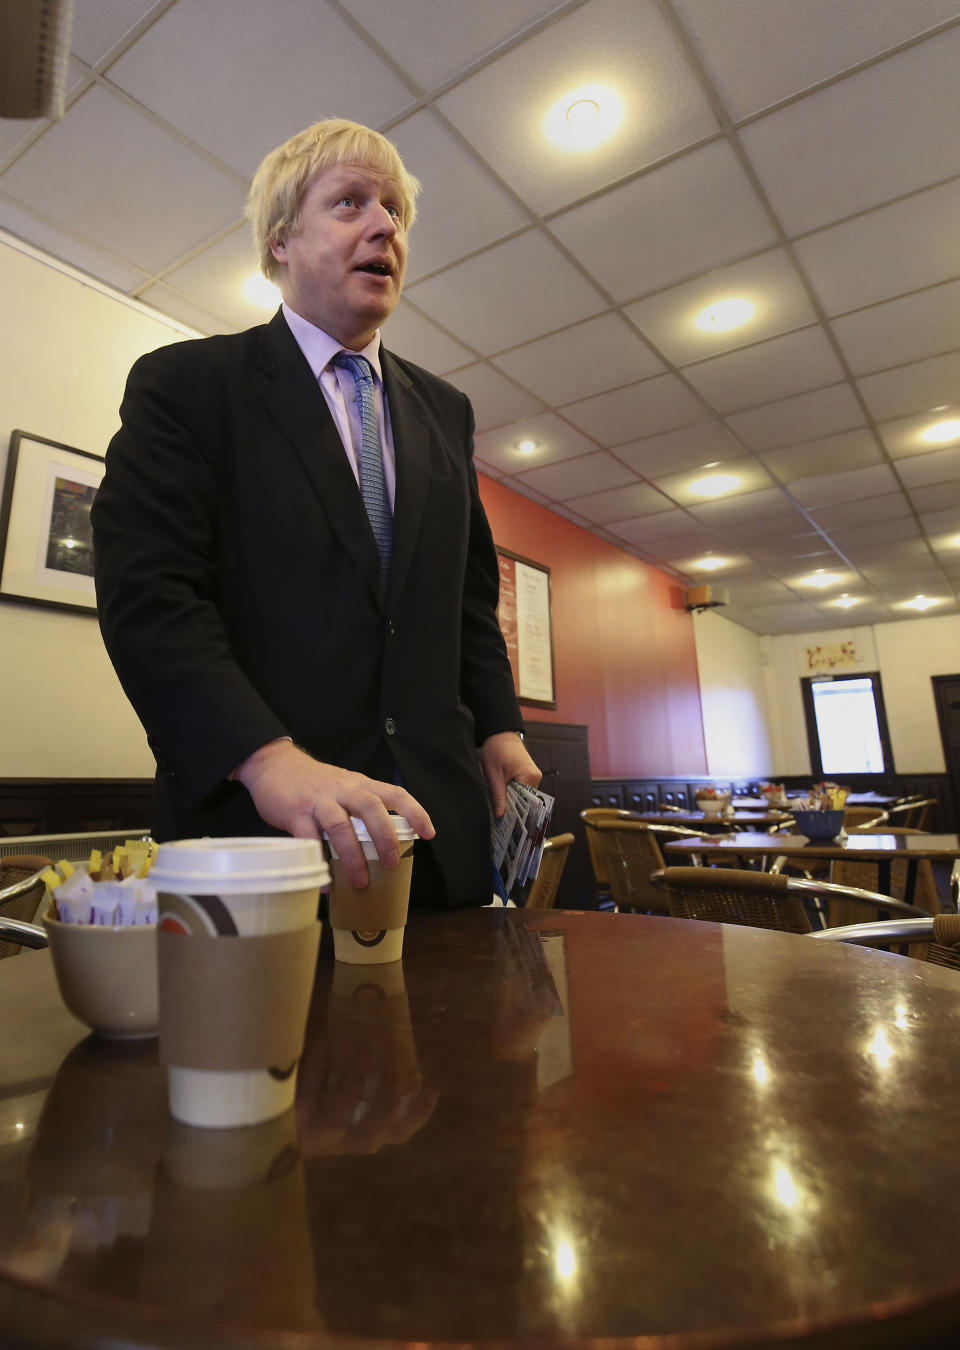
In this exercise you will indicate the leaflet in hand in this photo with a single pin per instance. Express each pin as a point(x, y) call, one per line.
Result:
point(517, 837)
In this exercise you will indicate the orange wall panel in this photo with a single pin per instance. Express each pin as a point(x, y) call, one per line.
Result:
point(624, 657)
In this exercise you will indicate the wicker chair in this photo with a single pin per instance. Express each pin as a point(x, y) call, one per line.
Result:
point(936, 939)
point(21, 891)
point(630, 852)
point(853, 871)
point(862, 817)
point(598, 861)
point(543, 889)
point(912, 813)
point(764, 899)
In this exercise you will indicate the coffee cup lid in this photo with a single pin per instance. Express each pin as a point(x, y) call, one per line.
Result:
point(404, 830)
point(239, 864)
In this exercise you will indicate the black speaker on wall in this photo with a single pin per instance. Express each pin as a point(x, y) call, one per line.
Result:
point(34, 51)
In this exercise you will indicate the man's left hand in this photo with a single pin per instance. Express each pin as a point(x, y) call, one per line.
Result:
point(504, 757)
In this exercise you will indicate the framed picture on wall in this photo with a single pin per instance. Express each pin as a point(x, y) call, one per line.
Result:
point(46, 545)
point(525, 621)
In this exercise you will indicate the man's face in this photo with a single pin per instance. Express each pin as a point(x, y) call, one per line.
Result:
point(344, 268)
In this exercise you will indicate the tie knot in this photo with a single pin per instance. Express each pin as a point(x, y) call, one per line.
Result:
point(358, 366)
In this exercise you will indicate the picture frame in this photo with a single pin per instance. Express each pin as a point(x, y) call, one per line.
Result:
point(46, 544)
point(526, 621)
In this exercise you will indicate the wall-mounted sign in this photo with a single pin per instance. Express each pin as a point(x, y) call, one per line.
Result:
point(524, 614)
point(831, 656)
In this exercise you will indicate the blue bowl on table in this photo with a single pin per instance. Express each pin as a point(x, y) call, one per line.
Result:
point(818, 824)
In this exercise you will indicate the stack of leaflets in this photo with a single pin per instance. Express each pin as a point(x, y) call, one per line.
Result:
point(517, 837)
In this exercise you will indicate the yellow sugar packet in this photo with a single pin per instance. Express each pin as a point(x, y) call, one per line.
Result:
point(50, 878)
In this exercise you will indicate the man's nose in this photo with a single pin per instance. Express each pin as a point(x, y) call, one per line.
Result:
point(382, 221)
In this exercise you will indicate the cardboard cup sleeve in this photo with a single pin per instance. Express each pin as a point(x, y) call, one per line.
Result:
point(235, 1003)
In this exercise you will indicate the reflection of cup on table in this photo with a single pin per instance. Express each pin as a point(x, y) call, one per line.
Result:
point(368, 924)
point(237, 948)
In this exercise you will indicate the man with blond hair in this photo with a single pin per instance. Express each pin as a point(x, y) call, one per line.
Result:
point(296, 579)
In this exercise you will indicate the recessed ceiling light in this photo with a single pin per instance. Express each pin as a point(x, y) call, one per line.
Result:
point(526, 447)
point(714, 484)
point(723, 315)
point(941, 432)
point(710, 563)
point(921, 602)
point(846, 601)
point(584, 117)
point(259, 291)
point(820, 578)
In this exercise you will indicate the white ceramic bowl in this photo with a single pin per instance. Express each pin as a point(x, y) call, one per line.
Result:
point(107, 976)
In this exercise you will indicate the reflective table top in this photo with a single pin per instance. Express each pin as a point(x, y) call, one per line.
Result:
point(753, 842)
point(541, 1128)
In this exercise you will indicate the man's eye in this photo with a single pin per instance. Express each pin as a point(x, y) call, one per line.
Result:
point(394, 210)
point(347, 201)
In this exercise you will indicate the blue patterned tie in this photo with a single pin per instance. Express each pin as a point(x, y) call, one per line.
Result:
point(373, 486)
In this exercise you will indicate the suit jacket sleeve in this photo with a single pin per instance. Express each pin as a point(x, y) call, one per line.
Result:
point(157, 543)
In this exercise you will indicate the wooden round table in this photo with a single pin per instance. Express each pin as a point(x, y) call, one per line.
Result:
point(543, 1129)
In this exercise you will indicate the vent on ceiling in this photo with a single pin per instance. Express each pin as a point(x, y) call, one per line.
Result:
point(34, 50)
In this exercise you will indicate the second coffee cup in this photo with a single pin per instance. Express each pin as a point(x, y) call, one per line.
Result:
point(368, 924)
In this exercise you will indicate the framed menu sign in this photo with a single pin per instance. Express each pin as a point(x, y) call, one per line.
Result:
point(524, 614)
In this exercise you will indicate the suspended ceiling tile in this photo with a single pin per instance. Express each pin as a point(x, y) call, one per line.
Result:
point(546, 292)
point(496, 401)
point(853, 540)
point(767, 281)
point(697, 212)
point(947, 520)
point(419, 340)
point(483, 468)
point(916, 326)
point(555, 440)
point(199, 71)
point(773, 369)
point(748, 475)
point(692, 544)
point(906, 436)
point(895, 249)
point(625, 46)
point(461, 207)
point(215, 278)
point(821, 158)
point(846, 451)
point(732, 511)
point(99, 25)
point(622, 503)
point(646, 408)
point(592, 356)
point(185, 311)
point(77, 252)
point(182, 201)
point(844, 486)
point(805, 417)
point(645, 530)
point(686, 448)
point(458, 34)
point(937, 497)
point(941, 466)
point(843, 514)
point(576, 477)
point(920, 386)
point(527, 490)
point(757, 55)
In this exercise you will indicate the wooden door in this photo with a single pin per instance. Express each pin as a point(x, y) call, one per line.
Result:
point(946, 693)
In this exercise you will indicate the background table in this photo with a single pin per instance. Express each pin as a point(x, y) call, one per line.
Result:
point(565, 1127)
point(879, 848)
point(696, 820)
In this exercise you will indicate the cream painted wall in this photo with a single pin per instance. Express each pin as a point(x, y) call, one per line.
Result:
point(905, 653)
point(733, 696)
point(65, 349)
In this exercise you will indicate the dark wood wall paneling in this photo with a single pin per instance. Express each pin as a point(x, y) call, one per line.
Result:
point(650, 794)
point(73, 805)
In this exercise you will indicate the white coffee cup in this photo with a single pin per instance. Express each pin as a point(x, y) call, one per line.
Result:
point(368, 923)
point(237, 938)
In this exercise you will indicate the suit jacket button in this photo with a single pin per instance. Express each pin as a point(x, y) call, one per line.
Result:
point(390, 726)
point(391, 630)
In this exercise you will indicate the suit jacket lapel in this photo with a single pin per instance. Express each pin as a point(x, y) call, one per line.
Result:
point(411, 447)
point(297, 404)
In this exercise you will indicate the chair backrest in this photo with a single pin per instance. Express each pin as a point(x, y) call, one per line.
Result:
point(938, 937)
point(726, 895)
point(21, 891)
point(543, 890)
point(590, 816)
point(630, 852)
point(853, 871)
point(913, 813)
point(860, 817)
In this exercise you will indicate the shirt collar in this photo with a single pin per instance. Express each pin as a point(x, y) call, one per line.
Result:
point(320, 348)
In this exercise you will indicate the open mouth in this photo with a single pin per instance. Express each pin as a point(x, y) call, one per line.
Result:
point(375, 268)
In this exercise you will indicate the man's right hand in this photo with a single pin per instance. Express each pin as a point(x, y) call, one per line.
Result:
point(308, 798)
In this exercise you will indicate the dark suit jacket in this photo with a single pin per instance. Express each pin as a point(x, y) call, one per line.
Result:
point(239, 593)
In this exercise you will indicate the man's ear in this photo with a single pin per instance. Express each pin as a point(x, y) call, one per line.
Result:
point(278, 247)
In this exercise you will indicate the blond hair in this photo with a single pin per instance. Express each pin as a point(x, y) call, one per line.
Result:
point(278, 187)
